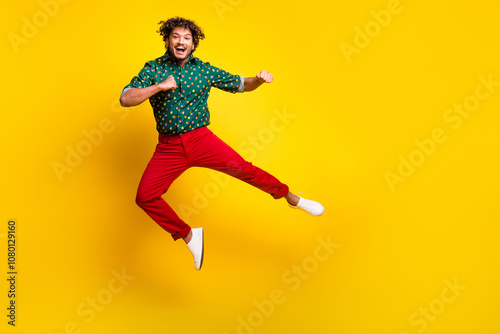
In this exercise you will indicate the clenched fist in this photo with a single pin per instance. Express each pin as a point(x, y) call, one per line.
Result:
point(169, 83)
point(264, 77)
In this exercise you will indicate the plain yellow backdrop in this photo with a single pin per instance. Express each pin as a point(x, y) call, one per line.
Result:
point(408, 242)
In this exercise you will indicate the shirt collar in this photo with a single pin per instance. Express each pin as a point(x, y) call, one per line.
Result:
point(192, 58)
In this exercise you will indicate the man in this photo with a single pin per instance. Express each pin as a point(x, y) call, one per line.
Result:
point(177, 86)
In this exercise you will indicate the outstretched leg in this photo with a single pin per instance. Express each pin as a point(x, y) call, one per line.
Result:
point(208, 150)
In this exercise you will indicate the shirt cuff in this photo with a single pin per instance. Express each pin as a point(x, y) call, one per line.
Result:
point(241, 88)
point(125, 90)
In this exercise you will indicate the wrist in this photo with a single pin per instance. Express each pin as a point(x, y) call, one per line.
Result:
point(259, 81)
point(157, 88)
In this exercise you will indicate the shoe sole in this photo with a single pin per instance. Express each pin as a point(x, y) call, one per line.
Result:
point(309, 213)
point(202, 247)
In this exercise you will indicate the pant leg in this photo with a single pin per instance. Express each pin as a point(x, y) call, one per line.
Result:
point(168, 162)
point(205, 149)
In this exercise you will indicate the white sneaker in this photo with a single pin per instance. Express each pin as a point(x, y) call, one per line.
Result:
point(311, 207)
point(196, 247)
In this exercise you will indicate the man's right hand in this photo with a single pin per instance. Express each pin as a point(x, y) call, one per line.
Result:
point(135, 96)
point(169, 83)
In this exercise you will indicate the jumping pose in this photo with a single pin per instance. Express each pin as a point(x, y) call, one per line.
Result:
point(177, 85)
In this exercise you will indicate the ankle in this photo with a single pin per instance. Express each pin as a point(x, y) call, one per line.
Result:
point(188, 237)
point(292, 199)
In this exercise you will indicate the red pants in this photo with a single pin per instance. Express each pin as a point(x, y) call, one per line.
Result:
point(198, 148)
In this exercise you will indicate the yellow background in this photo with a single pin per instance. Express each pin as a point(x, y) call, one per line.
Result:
point(353, 120)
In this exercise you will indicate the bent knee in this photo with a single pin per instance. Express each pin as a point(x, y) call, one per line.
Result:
point(142, 198)
point(243, 169)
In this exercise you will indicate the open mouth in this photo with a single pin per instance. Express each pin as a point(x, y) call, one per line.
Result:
point(180, 49)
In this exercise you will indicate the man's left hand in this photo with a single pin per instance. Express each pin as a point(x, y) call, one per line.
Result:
point(264, 77)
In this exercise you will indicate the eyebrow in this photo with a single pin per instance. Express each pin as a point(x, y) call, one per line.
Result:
point(176, 33)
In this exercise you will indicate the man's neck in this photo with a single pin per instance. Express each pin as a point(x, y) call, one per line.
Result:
point(182, 62)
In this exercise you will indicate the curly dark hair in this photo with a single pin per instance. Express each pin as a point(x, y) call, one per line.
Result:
point(169, 25)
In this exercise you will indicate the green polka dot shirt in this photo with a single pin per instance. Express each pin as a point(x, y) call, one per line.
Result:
point(184, 108)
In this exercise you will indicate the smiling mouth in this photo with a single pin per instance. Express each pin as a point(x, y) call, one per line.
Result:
point(180, 49)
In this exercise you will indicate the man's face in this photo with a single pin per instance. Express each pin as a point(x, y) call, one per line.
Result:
point(180, 43)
